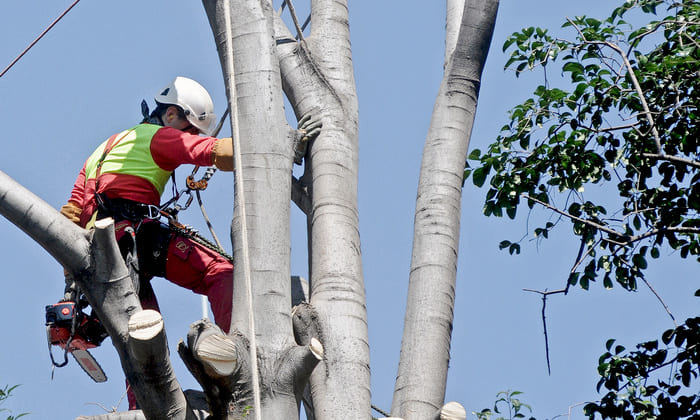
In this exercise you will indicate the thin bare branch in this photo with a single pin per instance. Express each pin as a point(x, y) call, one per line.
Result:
point(676, 159)
point(598, 226)
point(544, 321)
point(668, 311)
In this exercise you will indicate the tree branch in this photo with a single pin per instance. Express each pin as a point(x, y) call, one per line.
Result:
point(148, 346)
point(598, 226)
point(676, 159)
point(544, 319)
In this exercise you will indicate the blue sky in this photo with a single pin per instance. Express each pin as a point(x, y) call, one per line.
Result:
point(85, 80)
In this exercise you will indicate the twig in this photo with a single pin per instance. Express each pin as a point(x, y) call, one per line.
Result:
point(668, 311)
point(581, 258)
point(693, 163)
point(544, 320)
point(380, 411)
point(102, 406)
point(568, 416)
point(672, 229)
point(607, 230)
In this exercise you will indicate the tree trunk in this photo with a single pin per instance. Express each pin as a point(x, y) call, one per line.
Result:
point(245, 40)
point(425, 348)
point(318, 76)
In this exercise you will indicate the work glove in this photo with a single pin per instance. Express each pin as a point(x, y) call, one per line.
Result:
point(70, 291)
point(308, 128)
point(223, 154)
point(72, 212)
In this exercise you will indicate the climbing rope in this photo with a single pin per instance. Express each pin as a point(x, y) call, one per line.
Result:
point(242, 209)
point(38, 38)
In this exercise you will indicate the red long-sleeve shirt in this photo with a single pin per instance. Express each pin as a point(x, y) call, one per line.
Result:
point(169, 148)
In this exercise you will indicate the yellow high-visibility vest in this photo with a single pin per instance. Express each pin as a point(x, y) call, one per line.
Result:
point(130, 155)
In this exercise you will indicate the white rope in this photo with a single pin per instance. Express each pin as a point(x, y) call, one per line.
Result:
point(238, 165)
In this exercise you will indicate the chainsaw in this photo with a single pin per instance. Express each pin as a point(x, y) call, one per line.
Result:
point(68, 327)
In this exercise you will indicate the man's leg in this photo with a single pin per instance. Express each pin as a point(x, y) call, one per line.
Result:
point(188, 264)
point(203, 271)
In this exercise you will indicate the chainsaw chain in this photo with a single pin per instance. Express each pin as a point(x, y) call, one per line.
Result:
point(192, 234)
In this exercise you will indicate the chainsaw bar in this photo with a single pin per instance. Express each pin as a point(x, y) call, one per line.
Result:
point(89, 365)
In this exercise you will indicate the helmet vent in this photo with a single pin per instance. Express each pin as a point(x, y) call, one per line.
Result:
point(165, 92)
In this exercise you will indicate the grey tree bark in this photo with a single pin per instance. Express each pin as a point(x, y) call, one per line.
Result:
point(317, 75)
point(425, 350)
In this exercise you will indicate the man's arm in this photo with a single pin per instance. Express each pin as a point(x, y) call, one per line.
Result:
point(171, 148)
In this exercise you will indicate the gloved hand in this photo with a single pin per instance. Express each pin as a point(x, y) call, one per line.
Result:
point(69, 292)
point(308, 128)
point(223, 154)
point(72, 212)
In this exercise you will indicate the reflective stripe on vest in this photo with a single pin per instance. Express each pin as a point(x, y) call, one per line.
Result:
point(130, 155)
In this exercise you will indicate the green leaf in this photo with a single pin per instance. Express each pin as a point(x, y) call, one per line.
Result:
point(609, 343)
point(574, 68)
point(655, 252)
point(511, 39)
point(573, 278)
point(514, 249)
point(639, 261)
point(479, 175)
point(467, 172)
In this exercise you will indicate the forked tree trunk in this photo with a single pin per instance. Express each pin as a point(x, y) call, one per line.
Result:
point(244, 34)
point(425, 348)
point(317, 74)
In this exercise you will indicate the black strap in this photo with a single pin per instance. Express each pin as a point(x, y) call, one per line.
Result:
point(124, 209)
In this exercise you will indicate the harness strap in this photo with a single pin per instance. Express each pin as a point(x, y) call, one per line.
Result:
point(108, 148)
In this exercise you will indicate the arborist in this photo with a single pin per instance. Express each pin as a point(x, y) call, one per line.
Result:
point(124, 179)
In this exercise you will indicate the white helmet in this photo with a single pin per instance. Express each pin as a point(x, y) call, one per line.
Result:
point(193, 99)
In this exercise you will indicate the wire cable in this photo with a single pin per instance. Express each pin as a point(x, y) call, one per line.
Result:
point(38, 38)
